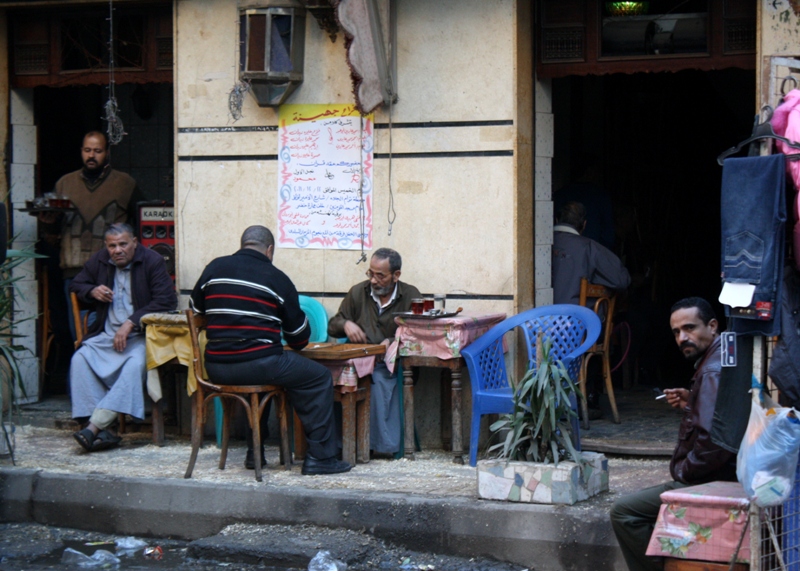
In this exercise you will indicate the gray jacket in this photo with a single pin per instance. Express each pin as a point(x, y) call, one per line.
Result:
point(576, 257)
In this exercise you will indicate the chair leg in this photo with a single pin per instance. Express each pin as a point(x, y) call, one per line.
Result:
point(197, 429)
point(582, 381)
point(226, 431)
point(255, 423)
point(348, 401)
point(283, 418)
point(122, 423)
point(300, 443)
point(474, 434)
point(610, 387)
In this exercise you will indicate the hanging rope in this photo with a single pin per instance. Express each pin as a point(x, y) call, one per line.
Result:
point(361, 211)
point(391, 214)
point(115, 128)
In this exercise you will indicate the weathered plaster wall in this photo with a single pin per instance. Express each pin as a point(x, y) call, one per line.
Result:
point(778, 36)
point(464, 223)
point(456, 216)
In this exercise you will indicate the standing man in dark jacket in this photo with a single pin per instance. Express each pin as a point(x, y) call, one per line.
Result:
point(696, 459)
point(366, 316)
point(124, 281)
point(248, 302)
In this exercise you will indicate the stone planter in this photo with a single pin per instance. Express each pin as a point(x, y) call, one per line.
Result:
point(542, 483)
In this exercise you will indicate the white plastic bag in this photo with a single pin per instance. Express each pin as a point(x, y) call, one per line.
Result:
point(767, 459)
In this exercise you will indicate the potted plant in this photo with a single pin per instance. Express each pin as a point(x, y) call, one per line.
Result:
point(10, 378)
point(536, 460)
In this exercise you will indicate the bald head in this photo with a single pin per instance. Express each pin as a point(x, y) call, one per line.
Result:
point(259, 238)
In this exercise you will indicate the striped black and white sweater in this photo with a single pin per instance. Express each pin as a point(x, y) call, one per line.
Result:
point(248, 302)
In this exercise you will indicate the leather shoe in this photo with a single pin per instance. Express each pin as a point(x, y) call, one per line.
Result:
point(314, 467)
point(250, 461)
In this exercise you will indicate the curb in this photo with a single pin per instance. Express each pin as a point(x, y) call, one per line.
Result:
point(549, 538)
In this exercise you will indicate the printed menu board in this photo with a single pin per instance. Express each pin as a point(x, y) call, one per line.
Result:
point(324, 177)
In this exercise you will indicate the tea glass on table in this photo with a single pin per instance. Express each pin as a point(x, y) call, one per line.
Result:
point(427, 304)
point(417, 306)
point(439, 301)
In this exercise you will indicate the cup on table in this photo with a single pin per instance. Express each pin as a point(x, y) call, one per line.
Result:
point(427, 304)
point(438, 301)
point(417, 306)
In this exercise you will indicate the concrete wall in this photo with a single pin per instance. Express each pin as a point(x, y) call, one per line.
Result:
point(464, 223)
point(778, 36)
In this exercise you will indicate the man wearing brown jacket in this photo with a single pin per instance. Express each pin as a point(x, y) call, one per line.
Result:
point(696, 459)
point(365, 316)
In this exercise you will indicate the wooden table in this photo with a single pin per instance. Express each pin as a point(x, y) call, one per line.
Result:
point(426, 342)
point(354, 397)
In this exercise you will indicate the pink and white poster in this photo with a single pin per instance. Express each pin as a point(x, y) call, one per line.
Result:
point(324, 177)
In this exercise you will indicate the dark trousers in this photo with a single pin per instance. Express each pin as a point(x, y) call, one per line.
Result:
point(633, 518)
point(308, 384)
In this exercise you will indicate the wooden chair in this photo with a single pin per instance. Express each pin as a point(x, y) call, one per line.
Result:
point(81, 326)
point(207, 390)
point(603, 301)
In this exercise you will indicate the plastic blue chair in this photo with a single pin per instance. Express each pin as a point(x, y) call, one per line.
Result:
point(572, 329)
point(317, 318)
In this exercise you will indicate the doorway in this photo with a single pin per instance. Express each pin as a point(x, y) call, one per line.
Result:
point(62, 116)
point(655, 138)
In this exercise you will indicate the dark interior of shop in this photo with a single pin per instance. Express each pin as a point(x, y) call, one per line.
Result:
point(655, 139)
point(63, 115)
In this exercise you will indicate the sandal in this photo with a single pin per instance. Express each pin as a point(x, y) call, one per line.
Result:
point(85, 438)
point(105, 440)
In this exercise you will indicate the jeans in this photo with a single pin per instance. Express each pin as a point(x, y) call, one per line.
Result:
point(308, 384)
point(753, 213)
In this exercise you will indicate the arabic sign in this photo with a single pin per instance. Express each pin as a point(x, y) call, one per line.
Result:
point(324, 170)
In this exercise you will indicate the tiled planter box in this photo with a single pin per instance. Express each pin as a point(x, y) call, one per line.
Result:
point(542, 483)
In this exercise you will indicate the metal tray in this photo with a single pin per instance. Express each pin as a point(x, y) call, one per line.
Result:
point(423, 315)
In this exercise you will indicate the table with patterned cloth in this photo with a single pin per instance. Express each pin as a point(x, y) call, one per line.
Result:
point(704, 522)
point(423, 341)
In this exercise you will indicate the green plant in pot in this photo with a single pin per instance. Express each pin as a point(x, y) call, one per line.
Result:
point(538, 429)
point(10, 377)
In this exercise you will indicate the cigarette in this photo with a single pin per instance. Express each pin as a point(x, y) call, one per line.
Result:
point(659, 397)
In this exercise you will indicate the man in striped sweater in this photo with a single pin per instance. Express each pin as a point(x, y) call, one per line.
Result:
point(248, 302)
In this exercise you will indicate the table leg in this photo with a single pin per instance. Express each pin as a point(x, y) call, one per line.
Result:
point(455, 389)
point(348, 401)
point(408, 398)
point(362, 422)
point(445, 409)
point(158, 423)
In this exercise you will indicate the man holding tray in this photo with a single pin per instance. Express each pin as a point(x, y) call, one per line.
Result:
point(366, 316)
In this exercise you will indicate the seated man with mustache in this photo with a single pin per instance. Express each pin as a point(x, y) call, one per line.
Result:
point(696, 459)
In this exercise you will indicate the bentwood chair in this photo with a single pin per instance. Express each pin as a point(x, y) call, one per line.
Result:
point(572, 330)
point(80, 318)
point(602, 301)
point(208, 390)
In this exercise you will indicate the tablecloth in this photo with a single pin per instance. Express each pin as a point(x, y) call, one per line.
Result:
point(702, 522)
point(443, 337)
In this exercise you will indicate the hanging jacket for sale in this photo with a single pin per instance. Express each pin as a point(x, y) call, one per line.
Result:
point(786, 123)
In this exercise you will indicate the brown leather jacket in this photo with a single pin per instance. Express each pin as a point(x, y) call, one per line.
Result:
point(696, 458)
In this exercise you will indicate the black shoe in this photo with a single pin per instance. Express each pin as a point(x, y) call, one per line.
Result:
point(314, 467)
point(250, 461)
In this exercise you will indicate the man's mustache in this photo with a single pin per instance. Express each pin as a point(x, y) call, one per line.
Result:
point(687, 344)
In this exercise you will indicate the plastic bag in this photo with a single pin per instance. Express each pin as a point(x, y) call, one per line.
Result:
point(324, 561)
point(100, 558)
point(767, 459)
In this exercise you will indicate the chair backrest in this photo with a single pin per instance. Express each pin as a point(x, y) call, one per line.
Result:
point(317, 318)
point(602, 301)
point(571, 328)
point(80, 322)
point(196, 324)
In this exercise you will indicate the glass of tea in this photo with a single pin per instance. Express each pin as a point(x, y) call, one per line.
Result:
point(417, 306)
point(427, 304)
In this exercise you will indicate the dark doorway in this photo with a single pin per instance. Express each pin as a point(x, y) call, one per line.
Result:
point(63, 115)
point(656, 138)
